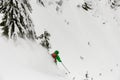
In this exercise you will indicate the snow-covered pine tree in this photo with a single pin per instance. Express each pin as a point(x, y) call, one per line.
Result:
point(41, 2)
point(2, 7)
point(45, 40)
point(26, 2)
point(114, 4)
point(16, 21)
point(59, 5)
point(87, 5)
point(1, 4)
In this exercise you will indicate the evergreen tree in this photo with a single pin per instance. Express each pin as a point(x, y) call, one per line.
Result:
point(114, 3)
point(2, 7)
point(16, 21)
point(87, 5)
point(41, 2)
point(45, 40)
point(59, 5)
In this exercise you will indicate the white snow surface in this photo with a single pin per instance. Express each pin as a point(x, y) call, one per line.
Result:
point(88, 41)
point(24, 60)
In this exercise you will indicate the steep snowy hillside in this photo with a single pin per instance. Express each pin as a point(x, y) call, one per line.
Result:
point(91, 35)
point(27, 61)
point(86, 33)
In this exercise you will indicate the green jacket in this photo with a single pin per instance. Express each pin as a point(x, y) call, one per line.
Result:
point(58, 58)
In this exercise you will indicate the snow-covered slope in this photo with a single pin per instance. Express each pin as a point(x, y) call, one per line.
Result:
point(26, 61)
point(76, 33)
point(88, 42)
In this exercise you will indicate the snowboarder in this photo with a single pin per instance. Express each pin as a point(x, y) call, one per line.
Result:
point(56, 57)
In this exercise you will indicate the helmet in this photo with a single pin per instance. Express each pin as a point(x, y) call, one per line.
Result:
point(56, 52)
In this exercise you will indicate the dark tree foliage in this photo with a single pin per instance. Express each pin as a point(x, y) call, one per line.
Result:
point(2, 6)
point(41, 2)
point(16, 21)
point(45, 40)
point(59, 5)
point(26, 2)
point(60, 2)
point(86, 6)
point(114, 3)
